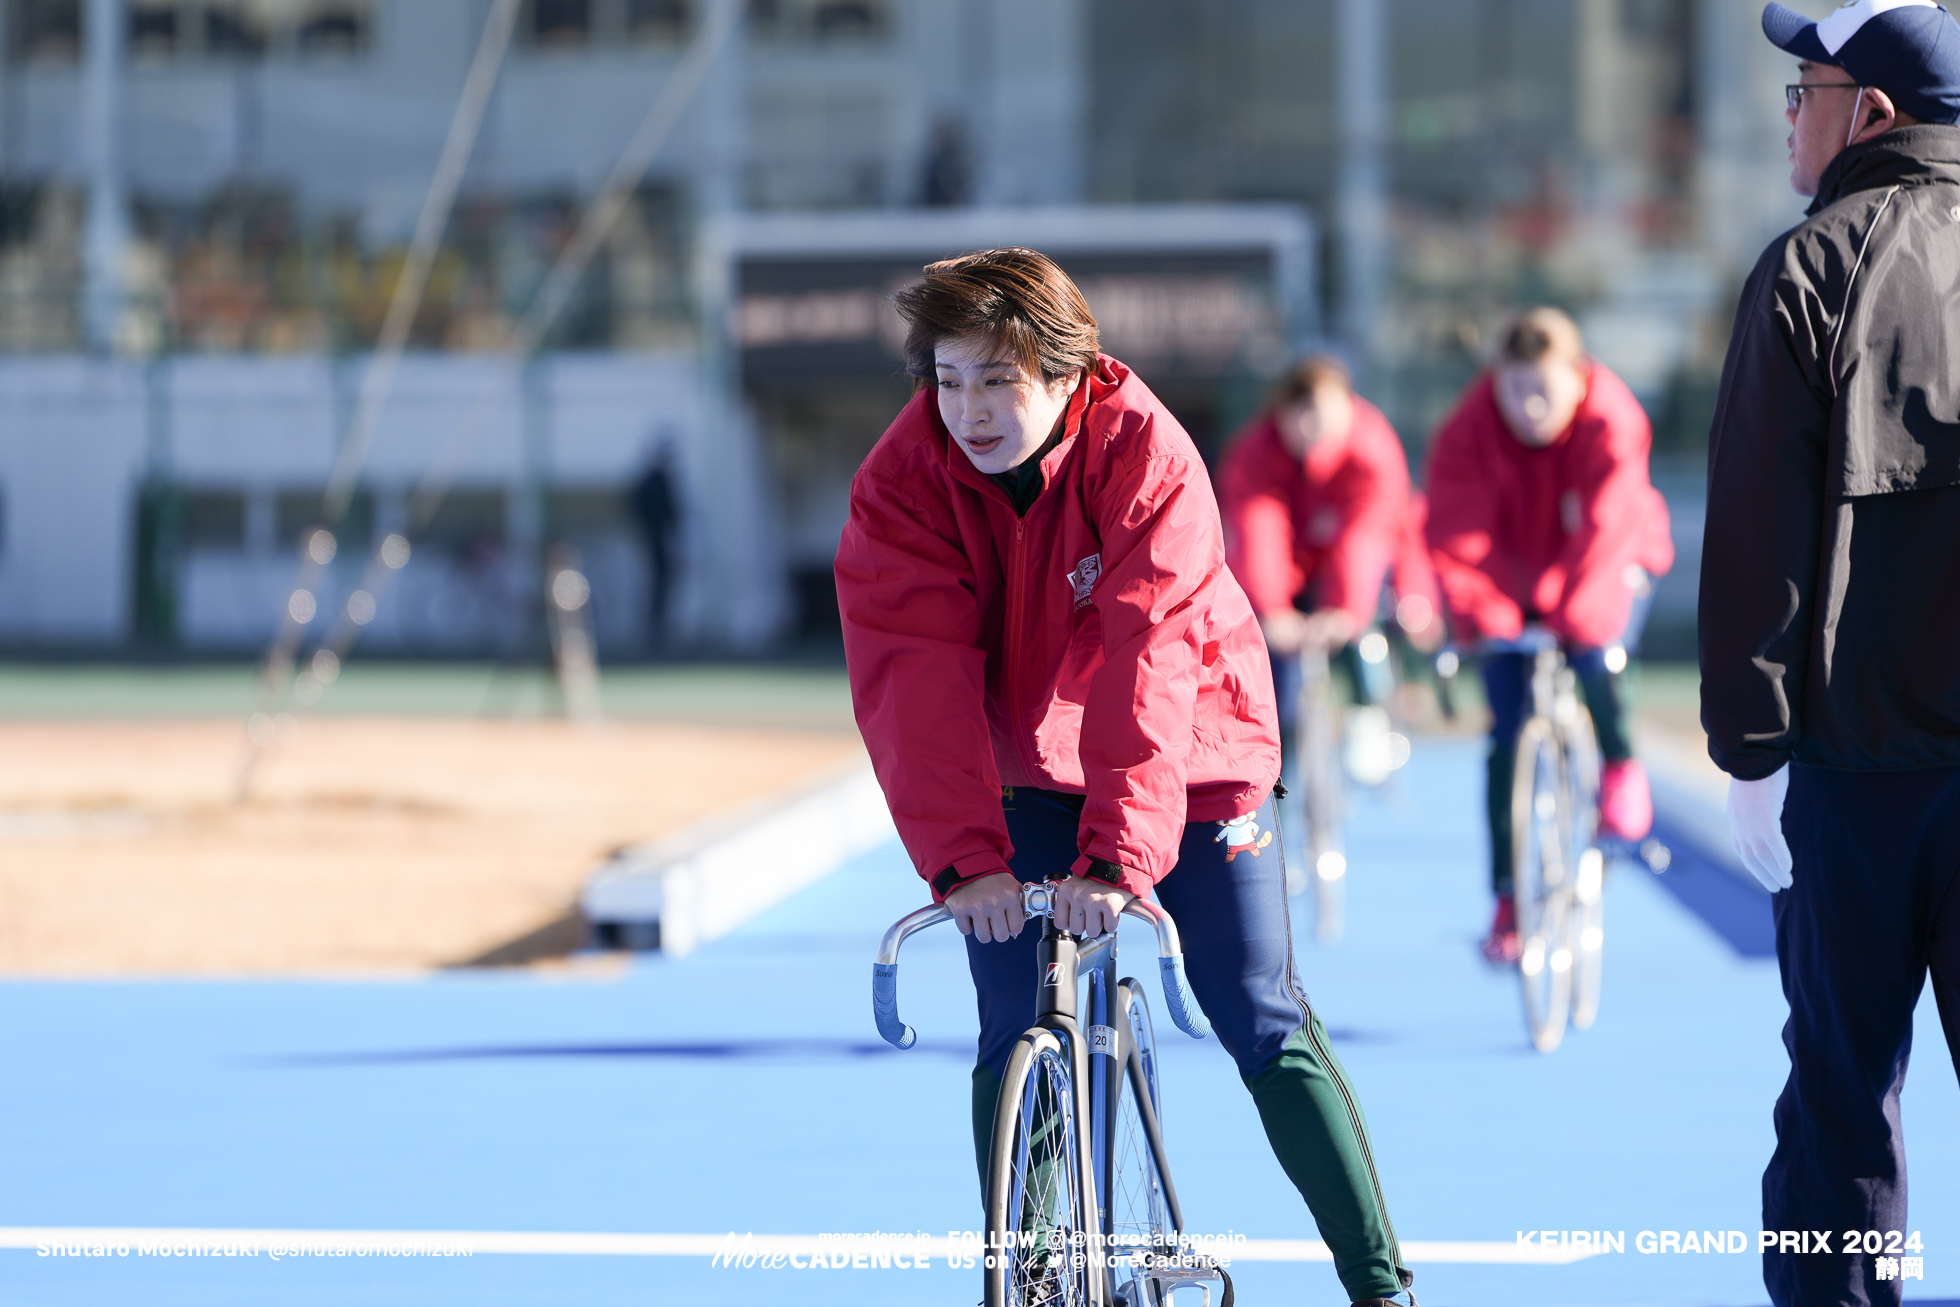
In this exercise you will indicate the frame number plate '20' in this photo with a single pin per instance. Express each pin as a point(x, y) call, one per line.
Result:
point(1102, 1041)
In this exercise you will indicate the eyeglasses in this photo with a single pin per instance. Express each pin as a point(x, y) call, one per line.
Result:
point(1793, 95)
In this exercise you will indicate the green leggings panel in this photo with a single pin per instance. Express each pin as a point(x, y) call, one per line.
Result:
point(1499, 765)
point(1313, 1121)
point(986, 1100)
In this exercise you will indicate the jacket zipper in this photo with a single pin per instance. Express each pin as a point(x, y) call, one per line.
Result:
point(1016, 601)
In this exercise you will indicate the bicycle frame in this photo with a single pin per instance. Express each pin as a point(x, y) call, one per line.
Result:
point(1102, 1060)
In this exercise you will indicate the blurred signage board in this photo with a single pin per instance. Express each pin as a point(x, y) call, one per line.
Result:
point(1185, 291)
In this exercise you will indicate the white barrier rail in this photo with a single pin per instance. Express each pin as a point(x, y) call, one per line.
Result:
point(701, 882)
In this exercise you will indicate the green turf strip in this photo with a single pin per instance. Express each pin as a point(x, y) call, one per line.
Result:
point(744, 693)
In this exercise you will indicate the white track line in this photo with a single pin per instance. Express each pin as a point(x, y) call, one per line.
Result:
point(570, 1244)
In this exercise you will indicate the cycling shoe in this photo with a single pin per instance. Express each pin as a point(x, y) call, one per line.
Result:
point(1502, 947)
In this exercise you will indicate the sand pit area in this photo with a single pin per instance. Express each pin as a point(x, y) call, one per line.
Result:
point(369, 845)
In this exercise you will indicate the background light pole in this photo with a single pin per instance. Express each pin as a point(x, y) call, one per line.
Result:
point(105, 238)
point(1361, 197)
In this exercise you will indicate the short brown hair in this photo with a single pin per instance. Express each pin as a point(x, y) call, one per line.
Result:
point(1307, 376)
point(1014, 297)
point(1543, 332)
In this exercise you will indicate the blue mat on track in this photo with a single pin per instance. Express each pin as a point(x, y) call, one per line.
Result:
point(1728, 903)
point(744, 1089)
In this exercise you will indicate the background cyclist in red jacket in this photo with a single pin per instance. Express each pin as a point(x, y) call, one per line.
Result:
point(1317, 511)
point(1058, 679)
point(1540, 510)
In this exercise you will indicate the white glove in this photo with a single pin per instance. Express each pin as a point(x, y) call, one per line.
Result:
point(1756, 827)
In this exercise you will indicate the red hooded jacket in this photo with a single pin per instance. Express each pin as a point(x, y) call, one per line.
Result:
point(1097, 646)
point(1336, 519)
point(1548, 531)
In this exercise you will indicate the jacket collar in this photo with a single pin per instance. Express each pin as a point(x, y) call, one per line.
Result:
point(1909, 156)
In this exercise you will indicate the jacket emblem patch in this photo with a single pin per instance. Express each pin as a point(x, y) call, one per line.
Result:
point(1242, 835)
point(1083, 578)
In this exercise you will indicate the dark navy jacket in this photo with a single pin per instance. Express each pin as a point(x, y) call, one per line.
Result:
point(1830, 580)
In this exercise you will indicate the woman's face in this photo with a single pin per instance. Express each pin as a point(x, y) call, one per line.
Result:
point(998, 415)
point(1539, 400)
point(1324, 413)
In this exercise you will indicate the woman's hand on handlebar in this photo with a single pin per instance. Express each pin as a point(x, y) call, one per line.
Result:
point(989, 909)
point(1088, 907)
point(1288, 632)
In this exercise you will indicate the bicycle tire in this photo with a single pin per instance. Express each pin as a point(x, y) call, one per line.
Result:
point(1143, 1211)
point(1541, 827)
point(1588, 928)
point(1588, 938)
point(1323, 791)
point(1038, 1237)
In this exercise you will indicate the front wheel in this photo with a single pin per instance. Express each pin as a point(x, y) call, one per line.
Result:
point(1541, 824)
point(1589, 937)
point(1039, 1250)
point(1589, 868)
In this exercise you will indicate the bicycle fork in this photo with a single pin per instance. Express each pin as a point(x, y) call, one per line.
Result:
point(1057, 956)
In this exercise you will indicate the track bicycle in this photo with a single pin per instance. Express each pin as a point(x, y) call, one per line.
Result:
point(1365, 745)
point(1323, 796)
point(1559, 858)
point(1080, 1207)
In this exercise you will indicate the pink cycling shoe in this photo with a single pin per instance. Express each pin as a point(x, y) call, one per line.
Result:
point(1626, 804)
point(1501, 948)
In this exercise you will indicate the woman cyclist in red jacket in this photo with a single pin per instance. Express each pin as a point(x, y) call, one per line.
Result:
point(1058, 679)
point(1540, 510)
point(1318, 515)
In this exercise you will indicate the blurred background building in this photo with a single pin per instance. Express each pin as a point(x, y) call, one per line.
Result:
point(202, 221)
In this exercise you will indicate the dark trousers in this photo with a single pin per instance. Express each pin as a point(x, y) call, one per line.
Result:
point(1507, 688)
point(1872, 909)
point(1238, 952)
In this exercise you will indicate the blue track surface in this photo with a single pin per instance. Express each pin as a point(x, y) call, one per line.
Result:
point(744, 1089)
